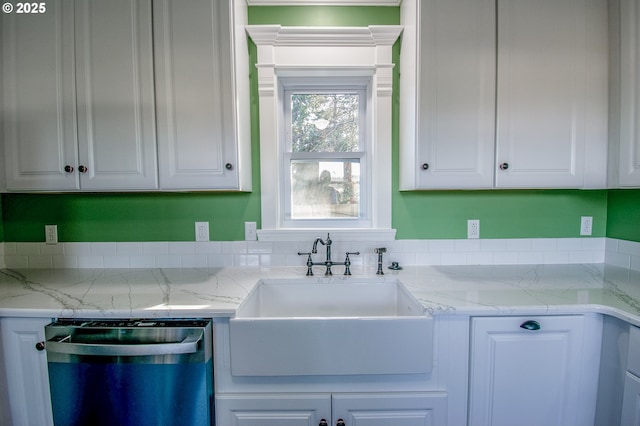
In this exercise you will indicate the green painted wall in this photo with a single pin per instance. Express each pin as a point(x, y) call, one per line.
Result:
point(425, 214)
point(623, 219)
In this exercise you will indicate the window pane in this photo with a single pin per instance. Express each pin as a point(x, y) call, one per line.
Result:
point(325, 122)
point(325, 189)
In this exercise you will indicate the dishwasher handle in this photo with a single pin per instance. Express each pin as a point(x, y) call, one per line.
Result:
point(188, 346)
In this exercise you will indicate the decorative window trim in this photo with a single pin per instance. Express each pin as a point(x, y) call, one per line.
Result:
point(324, 2)
point(321, 52)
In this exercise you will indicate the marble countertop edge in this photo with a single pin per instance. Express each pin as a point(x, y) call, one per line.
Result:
point(442, 290)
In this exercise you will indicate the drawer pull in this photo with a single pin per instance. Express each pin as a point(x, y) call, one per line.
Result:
point(530, 325)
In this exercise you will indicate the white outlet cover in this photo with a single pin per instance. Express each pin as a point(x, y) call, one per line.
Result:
point(250, 231)
point(586, 225)
point(202, 231)
point(473, 228)
point(51, 234)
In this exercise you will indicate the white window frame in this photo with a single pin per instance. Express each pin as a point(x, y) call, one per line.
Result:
point(328, 85)
point(341, 54)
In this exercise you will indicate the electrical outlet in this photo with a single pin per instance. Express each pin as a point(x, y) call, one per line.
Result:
point(586, 223)
point(473, 228)
point(51, 234)
point(250, 232)
point(202, 231)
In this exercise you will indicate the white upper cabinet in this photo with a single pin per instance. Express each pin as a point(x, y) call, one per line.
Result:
point(79, 108)
point(552, 94)
point(447, 94)
point(198, 96)
point(536, 120)
point(115, 102)
point(39, 98)
point(625, 94)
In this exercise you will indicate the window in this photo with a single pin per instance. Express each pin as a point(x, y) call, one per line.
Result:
point(325, 131)
point(325, 155)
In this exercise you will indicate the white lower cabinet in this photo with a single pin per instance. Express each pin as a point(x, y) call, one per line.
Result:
point(631, 398)
point(534, 370)
point(337, 409)
point(26, 372)
point(631, 401)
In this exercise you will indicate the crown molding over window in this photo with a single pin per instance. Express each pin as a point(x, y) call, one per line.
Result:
point(276, 35)
point(324, 52)
point(324, 2)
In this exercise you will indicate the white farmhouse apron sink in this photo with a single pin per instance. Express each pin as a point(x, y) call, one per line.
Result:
point(335, 326)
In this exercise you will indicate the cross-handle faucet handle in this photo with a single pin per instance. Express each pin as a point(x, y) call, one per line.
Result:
point(347, 262)
point(309, 262)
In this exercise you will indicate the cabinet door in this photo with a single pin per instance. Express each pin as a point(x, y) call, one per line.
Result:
point(526, 377)
point(196, 143)
point(448, 123)
point(629, 163)
point(116, 112)
point(631, 401)
point(26, 371)
point(547, 94)
point(273, 409)
point(391, 409)
point(39, 98)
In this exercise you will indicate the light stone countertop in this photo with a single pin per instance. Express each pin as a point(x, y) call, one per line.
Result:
point(192, 292)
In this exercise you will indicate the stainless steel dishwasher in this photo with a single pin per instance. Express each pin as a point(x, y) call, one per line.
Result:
point(131, 372)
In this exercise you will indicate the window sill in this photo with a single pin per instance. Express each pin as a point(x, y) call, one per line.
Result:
point(382, 235)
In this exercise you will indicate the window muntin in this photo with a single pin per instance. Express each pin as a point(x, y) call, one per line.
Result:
point(324, 165)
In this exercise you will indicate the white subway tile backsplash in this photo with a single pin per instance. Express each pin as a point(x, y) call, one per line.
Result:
point(117, 261)
point(27, 249)
point(77, 249)
point(441, 245)
point(103, 249)
point(155, 248)
point(16, 262)
point(217, 254)
point(629, 247)
point(519, 244)
point(129, 249)
point(90, 262)
point(182, 248)
point(41, 262)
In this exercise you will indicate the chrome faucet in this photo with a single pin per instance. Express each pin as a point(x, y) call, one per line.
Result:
point(328, 263)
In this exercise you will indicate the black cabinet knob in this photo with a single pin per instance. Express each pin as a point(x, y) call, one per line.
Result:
point(425, 166)
point(340, 422)
point(504, 166)
point(68, 168)
point(40, 346)
point(83, 169)
point(323, 422)
point(228, 166)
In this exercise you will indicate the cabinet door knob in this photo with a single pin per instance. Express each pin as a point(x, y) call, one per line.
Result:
point(83, 169)
point(530, 325)
point(323, 422)
point(68, 169)
point(40, 346)
point(340, 422)
point(228, 166)
point(504, 166)
point(425, 166)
